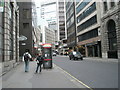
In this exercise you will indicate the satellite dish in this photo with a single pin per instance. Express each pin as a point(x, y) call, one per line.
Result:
point(22, 38)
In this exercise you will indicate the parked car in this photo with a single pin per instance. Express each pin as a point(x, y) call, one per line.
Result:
point(75, 55)
point(54, 54)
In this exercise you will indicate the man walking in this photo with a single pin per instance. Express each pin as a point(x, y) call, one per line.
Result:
point(39, 62)
point(26, 58)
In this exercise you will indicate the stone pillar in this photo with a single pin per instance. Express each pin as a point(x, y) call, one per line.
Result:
point(86, 51)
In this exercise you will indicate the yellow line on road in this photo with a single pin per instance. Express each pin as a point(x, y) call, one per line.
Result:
point(75, 78)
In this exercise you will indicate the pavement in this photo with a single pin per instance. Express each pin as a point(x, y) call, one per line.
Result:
point(48, 78)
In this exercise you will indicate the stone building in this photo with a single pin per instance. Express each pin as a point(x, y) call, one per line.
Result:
point(110, 26)
point(10, 35)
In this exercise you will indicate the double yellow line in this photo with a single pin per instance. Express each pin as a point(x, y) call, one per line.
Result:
point(74, 78)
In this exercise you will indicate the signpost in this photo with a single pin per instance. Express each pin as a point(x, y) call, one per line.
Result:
point(1, 5)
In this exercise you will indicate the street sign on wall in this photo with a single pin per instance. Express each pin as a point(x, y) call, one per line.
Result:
point(1, 5)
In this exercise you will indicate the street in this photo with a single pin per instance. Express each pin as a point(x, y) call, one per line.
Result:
point(93, 73)
point(65, 74)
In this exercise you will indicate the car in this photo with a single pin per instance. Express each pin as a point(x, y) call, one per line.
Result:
point(54, 54)
point(75, 55)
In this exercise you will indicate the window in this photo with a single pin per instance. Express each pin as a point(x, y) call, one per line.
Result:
point(1, 43)
point(77, 1)
point(105, 6)
point(26, 13)
point(11, 32)
point(82, 5)
point(112, 3)
point(25, 25)
point(112, 37)
point(88, 23)
point(91, 34)
point(87, 12)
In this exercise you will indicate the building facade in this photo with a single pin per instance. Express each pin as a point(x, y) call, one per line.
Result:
point(110, 27)
point(28, 24)
point(70, 24)
point(10, 35)
point(1, 36)
point(50, 15)
point(49, 36)
point(61, 19)
point(88, 28)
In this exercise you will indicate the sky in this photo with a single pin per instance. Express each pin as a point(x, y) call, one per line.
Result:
point(40, 21)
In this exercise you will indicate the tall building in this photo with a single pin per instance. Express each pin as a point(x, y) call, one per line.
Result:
point(49, 13)
point(9, 35)
point(110, 26)
point(61, 19)
point(71, 24)
point(88, 28)
point(28, 26)
point(48, 35)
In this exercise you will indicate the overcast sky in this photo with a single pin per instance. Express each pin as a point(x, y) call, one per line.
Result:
point(40, 21)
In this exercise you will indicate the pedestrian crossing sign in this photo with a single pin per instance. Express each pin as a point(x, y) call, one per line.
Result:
point(1, 5)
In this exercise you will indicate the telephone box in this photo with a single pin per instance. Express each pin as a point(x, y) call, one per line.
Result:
point(47, 53)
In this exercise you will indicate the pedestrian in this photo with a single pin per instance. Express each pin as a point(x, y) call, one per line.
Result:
point(26, 59)
point(39, 60)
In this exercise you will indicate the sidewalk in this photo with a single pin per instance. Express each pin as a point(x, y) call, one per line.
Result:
point(48, 78)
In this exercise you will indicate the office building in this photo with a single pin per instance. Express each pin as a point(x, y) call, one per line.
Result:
point(70, 24)
point(88, 28)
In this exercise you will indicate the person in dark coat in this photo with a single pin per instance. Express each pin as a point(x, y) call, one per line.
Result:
point(39, 60)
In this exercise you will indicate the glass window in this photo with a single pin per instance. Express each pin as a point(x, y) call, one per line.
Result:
point(105, 6)
point(112, 37)
point(11, 32)
point(91, 34)
point(25, 25)
point(88, 23)
point(87, 12)
point(82, 5)
point(112, 3)
point(26, 13)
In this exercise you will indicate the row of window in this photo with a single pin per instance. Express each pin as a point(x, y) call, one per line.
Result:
point(105, 4)
point(88, 23)
point(70, 12)
point(1, 41)
point(68, 5)
point(87, 12)
point(71, 30)
point(70, 22)
point(82, 5)
point(77, 1)
point(91, 34)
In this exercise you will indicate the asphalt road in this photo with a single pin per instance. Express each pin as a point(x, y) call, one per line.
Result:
point(93, 73)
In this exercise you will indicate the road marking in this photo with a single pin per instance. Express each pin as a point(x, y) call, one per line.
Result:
point(75, 78)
